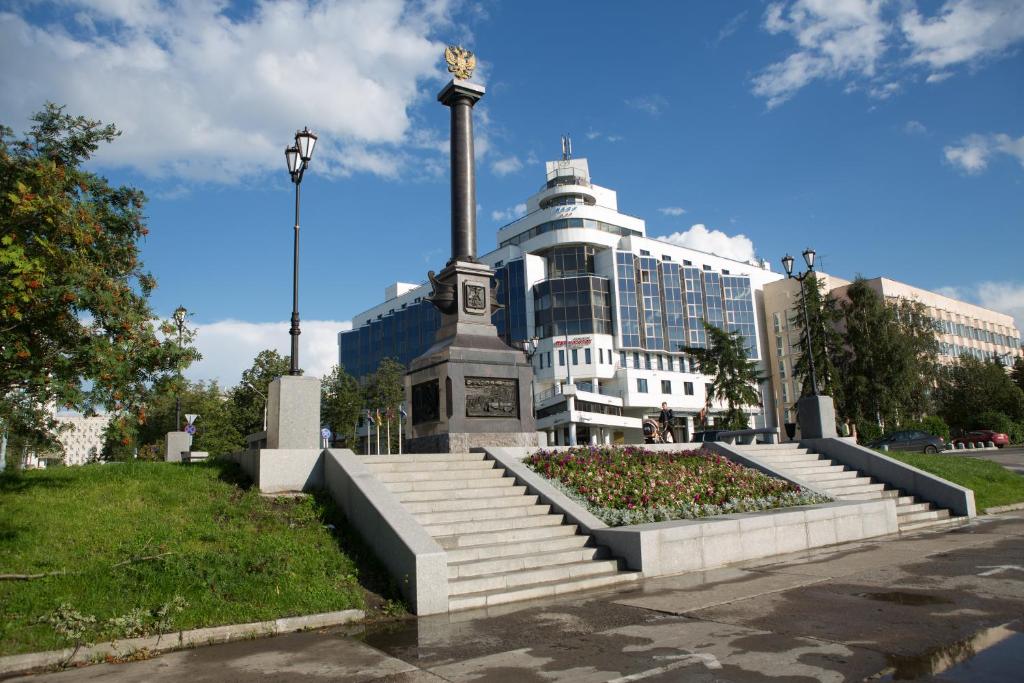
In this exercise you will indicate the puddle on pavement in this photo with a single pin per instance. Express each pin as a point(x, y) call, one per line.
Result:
point(902, 598)
point(994, 654)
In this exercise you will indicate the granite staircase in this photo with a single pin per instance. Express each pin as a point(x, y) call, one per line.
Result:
point(842, 483)
point(503, 545)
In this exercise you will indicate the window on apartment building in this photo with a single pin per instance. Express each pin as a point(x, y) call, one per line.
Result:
point(575, 357)
point(641, 385)
point(666, 386)
point(785, 392)
point(708, 388)
point(780, 346)
point(688, 388)
point(540, 358)
point(647, 361)
point(561, 357)
point(549, 358)
point(782, 368)
point(636, 359)
point(622, 358)
point(600, 356)
point(586, 356)
point(776, 322)
point(661, 363)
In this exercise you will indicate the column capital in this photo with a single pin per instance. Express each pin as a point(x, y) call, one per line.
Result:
point(458, 88)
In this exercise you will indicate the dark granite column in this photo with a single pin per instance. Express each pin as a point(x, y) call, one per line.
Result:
point(460, 96)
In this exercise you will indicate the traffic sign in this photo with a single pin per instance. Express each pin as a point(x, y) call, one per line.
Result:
point(190, 417)
point(325, 433)
point(191, 429)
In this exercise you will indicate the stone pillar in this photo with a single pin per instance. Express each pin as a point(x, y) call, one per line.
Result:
point(293, 412)
point(572, 433)
point(689, 427)
point(817, 417)
point(174, 444)
point(460, 96)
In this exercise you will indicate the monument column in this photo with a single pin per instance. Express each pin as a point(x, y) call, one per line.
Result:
point(460, 96)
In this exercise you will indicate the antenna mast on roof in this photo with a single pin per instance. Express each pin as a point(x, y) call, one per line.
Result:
point(566, 147)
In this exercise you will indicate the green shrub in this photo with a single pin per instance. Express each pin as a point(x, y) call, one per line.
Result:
point(993, 420)
point(868, 431)
point(932, 424)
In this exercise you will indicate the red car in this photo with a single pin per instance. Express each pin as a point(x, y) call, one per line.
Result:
point(982, 436)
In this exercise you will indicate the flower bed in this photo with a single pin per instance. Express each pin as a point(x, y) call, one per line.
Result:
point(632, 485)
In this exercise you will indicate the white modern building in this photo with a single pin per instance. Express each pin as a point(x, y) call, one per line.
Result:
point(611, 309)
point(80, 441)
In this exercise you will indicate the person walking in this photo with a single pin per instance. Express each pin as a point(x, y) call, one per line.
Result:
point(665, 423)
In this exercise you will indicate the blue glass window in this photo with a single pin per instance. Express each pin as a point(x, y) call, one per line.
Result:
point(739, 310)
point(629, 325)
point(650, 289)
point(696, 335)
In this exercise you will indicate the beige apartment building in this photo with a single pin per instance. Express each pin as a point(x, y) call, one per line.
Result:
point(963, 328)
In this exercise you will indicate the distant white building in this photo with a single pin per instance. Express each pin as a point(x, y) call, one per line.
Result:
point(80, 439)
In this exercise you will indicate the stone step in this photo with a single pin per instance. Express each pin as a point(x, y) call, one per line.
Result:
point(905, 500)
point(449, 516)
point(525, 577)
point(866, 495)
point(505, 536)
point(816, 466)
point(772, 448)
point(431, 466)
point(513, 563)
point(786, 457)
point(907, 508)
point(540, 590)
point(449, 484)
point(479, 526)
point(834, 475)
point(934, 524)
point(923, 516)
point(467, 504)
point(855, 484)
point(535, 547)
point(499, 490)
point(422, 457)
point(441, 475)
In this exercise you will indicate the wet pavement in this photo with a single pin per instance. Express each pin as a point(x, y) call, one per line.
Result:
point(1012, 458)
point(934, 606)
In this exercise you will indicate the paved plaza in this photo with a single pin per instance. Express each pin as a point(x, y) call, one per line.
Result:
point(897, 608)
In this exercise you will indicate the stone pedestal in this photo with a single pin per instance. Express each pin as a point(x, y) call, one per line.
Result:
point(817, 417)
point(174, 444)
point(293, 412)
point(469, 389)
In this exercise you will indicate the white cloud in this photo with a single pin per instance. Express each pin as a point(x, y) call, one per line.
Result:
point(503, 167)
point(672, 210)
point(863, 42)
point(914, 128)
point(1004, 297)
point(508, 215)
point(938, 77)
point(229, 346)
point(649, 104)
point(972, 154)
point(963, 31)
point(835, 38)
point(731, 26)
point(737, 247)
point(598, 135)
point(204, 96)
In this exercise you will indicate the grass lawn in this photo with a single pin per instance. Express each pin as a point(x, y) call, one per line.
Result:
point(633, 485)
point(993, 484)
point(130, 538)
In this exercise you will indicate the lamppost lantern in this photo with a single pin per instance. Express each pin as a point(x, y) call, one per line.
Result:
point(809, 258)
point(297, 156)
point(305, 140)
point(291, 155)
point(787, 263)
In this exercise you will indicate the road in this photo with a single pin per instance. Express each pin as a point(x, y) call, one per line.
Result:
point(1012, 458)
point(895, 608)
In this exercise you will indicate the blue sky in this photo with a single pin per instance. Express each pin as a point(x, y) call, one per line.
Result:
point(889, 135)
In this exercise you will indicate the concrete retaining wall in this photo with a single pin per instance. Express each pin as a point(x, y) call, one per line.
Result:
point(665, 548)
point(414, 559)
point(926, 487)
point(280, 470)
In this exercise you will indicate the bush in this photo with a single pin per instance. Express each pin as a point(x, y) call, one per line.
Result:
point(932, 424)
point(868, 431)
point(993, 420)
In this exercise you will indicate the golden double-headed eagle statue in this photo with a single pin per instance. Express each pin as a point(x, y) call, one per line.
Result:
point(461, 61)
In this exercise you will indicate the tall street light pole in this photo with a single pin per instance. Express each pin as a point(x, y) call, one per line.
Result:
point(787, 263)
point(179, 319)
point(297, 156)
point(530, 349)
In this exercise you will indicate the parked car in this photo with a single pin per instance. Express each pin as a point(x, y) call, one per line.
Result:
point(910, 440)
point(980, 437)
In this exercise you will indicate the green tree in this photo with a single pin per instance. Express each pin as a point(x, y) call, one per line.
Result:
point(385, 391)
point(734, 375)
point(822, 316)
point(341, 404)
point(887, 363)
point(1017, 373)
point(216, 432)
point(249, 397)
point(970, 388)
point(76, 329)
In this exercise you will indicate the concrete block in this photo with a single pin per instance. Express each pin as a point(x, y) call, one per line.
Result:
point(821, 532)
point(681, 556)
point(758, 542)
point(721, 549)
point(174, 444)
point(817, 417)
point(293, 412)
point(791, 537)
point(849, 527)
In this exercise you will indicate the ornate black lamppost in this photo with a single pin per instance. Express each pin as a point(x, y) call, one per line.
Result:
point(179, 319)
point(787, 263)
point(297, 156)
point(530, 349)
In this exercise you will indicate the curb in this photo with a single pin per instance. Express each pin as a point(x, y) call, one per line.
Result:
point(16, 664)
point(1004, 508)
